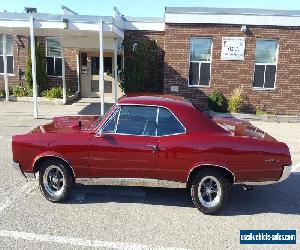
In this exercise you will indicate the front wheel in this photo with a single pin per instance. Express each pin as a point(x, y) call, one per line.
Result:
point(56, 180)
point(209, 191)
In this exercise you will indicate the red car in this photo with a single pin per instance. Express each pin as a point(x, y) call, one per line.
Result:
point(152, 141)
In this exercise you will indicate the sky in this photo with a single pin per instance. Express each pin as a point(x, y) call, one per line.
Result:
point(137, 8)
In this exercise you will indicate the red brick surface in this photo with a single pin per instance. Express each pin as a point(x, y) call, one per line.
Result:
point(228, 75)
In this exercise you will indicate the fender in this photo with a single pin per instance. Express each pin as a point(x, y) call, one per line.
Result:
point(51, 154)
point(223, 165)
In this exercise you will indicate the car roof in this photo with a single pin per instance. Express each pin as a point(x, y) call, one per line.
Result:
point(190, 117)
point(153, 99)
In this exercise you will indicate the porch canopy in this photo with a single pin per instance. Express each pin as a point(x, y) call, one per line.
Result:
point(75, 31)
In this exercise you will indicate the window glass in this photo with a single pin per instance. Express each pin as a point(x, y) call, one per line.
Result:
point(95, 65)
point(53, 47)
point(1, 45)
point(50, 66)
point(9, 45)
point(259, 72)
point(194, 73)
point(204, 74)
point(10, 64)
point(58, 66)
point(270, 76)
point(108, 65)
point(200, 49)
point(265, 51)
point(168, 124)
point(112, 124)
point(137, 120)
point(1, 65)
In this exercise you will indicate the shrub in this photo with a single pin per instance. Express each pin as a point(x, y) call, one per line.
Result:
point(2, 93)
point(140, 68)
point(54, 92)
point(41, 74)
point(20, 91)
point(217, 102)
point(236, 101)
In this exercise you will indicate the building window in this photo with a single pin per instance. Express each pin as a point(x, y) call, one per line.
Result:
point(54, 59)
point(265, 64)
point(200, 61)
point(9, 54)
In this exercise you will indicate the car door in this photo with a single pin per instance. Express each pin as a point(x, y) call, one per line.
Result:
point(126, 146)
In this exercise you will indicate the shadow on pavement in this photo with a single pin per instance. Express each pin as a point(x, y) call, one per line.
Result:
point(95, 109)
point(282, 198)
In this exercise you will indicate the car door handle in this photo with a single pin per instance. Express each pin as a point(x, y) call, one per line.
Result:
point(153, 147)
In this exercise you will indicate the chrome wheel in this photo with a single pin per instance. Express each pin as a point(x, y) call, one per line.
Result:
point(209, 191)
point(53, 180)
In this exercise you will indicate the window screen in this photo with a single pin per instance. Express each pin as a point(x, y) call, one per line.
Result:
point(168, 124)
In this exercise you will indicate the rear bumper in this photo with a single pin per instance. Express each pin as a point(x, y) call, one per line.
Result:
point(284, 175)
point(28, 176)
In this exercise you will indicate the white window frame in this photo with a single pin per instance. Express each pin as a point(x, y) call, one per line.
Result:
point(9, 74)
point(52, 37)
point(266, 64)
point(200, 62)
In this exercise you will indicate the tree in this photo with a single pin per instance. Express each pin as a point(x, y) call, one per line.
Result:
point(140, 69)
point(41, 74)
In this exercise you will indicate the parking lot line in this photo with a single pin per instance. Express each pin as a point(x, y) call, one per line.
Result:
point(76, 241)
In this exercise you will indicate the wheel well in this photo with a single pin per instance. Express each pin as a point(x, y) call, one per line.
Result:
point(228, 175)
point(41, 160)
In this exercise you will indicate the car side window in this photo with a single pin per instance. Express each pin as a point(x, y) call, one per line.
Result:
point(168, 123)
point(137, 120)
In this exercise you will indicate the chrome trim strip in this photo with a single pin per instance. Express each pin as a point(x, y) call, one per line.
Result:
point(142, 182)
point(285, 174)
point(214, 165)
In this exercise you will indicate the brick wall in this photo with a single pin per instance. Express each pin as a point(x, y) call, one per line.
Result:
point(20, 53)
point(70, 55)
point(157, 36)
point(228, 75)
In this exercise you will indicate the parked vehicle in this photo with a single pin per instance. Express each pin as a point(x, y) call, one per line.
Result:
point(158, 140)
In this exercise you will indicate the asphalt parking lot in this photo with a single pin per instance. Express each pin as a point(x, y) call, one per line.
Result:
point(134, 217)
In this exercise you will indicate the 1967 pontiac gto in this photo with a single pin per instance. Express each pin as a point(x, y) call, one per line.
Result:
point(152, 141)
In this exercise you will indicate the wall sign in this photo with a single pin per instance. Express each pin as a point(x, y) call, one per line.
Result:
point(233, 48)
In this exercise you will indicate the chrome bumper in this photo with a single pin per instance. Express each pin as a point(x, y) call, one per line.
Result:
point(285, 174)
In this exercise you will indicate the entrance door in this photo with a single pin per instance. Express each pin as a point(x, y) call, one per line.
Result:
point(90, 75)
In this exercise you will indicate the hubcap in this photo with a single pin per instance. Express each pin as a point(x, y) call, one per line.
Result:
point(209, 191)
point(53, 180)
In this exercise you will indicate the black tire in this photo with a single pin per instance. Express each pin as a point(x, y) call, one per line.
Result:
point(211, 196)
point(56, 180)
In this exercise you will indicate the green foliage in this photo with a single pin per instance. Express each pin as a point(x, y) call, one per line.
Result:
point(139, 73)
point(41, 74)
point(236, 101)
point(2, 93)
point(54, 92)
point(217, 102)
point(21, 91)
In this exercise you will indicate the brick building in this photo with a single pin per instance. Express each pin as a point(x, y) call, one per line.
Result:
point(200, 50)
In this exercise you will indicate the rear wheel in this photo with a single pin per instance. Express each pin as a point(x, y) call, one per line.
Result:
point(209, 191)
point(56, 180)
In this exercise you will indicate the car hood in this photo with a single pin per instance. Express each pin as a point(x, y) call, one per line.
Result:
point(67, 124)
